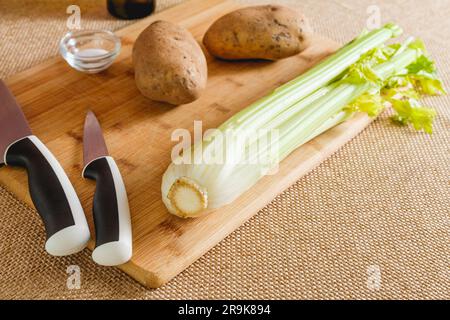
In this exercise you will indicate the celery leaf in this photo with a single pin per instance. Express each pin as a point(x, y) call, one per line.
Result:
point(372, 104)
point(408, 111)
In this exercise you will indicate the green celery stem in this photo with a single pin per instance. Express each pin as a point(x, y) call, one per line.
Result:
point(313, 79)
point(297, 130)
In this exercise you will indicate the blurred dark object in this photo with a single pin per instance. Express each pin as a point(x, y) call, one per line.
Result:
point(130, 9)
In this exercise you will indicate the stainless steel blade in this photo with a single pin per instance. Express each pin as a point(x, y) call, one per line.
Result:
point(94, 145)
point(13, 124)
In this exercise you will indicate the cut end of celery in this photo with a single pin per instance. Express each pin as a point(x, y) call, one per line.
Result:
point(395, 29)
point(187, 197)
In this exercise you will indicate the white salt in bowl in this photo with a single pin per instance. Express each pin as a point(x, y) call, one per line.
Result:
point(90, 51)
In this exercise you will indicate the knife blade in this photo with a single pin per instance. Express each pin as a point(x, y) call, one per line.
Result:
point(51, 191)
point(113, 238)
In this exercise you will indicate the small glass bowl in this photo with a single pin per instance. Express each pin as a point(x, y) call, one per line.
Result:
point(90, 51)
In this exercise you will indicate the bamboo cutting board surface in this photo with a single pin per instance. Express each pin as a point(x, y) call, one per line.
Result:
point(55, 99)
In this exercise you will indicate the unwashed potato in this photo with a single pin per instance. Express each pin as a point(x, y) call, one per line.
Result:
point(268, 32)
point(169, 64)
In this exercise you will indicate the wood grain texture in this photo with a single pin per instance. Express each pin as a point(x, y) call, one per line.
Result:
point(55, 99)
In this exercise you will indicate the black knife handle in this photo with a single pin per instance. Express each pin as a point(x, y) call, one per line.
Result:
point(53, 196)
point(113, 240)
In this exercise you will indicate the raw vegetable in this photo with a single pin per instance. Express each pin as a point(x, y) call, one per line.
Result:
point(169, 64)
point(364, 76)
point(268, 32)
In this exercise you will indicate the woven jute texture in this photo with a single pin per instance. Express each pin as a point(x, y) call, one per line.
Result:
point(373, 221)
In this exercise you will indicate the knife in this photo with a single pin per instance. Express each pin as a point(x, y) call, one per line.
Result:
point(51, 191)
point(113, 241)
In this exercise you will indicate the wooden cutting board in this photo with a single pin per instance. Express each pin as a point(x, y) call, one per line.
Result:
point(55, 99)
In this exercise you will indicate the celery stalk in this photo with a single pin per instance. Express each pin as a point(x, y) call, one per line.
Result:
point(311, 80)
point(299, 111)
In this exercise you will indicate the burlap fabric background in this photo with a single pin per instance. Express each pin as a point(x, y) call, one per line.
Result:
point(379, 207)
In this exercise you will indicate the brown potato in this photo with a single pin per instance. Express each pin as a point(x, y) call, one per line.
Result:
point(268, 32)
point(169, 64)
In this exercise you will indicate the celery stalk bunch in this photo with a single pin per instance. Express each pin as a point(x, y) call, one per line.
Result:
point(363, 76)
